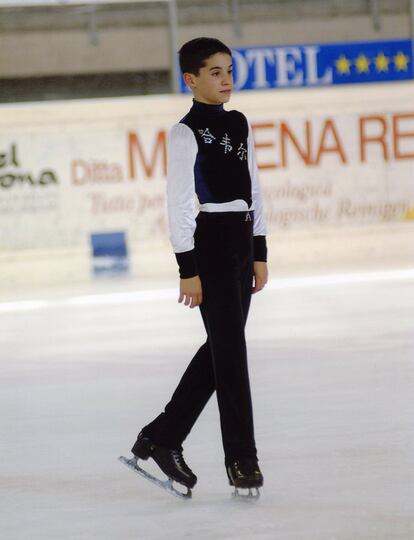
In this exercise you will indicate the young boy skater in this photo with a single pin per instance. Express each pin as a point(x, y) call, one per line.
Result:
point(220, 252)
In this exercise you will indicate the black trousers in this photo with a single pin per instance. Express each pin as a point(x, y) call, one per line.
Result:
point(223, 243)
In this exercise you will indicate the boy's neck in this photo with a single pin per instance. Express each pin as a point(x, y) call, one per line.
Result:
point(209, 108)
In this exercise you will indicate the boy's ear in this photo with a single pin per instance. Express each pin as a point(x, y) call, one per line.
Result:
point(189, 78)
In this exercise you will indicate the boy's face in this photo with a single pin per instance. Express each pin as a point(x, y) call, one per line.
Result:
point(215, 82)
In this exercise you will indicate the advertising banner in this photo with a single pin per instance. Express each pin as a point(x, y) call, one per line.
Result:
point(72, 170)
point(292, 66)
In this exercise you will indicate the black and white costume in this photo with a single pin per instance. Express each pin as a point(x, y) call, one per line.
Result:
point(210, 157)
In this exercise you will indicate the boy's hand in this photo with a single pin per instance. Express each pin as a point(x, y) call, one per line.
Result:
point(260, 275)
point(191, 289)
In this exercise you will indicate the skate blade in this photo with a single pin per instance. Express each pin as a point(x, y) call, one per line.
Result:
point(248, 497)
point(164, 484)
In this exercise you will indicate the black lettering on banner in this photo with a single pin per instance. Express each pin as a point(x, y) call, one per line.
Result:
point(10, 179)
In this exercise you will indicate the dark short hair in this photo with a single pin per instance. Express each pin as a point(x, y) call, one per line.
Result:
point(193, 54)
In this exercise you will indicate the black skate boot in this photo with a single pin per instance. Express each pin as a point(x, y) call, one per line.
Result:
point(245, 473)
point(169, 460)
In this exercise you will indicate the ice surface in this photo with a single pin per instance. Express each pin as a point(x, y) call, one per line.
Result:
point(333, 391)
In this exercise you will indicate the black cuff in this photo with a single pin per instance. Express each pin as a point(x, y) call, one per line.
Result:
point(187, 266)
point(260, 248)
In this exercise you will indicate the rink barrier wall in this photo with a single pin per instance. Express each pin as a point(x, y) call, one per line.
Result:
point(290, 253)
point(336, 168)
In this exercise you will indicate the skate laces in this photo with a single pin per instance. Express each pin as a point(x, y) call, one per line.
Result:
point(179, 459)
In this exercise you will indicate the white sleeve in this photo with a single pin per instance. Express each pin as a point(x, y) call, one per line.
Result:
point(182, 150)
point(259, 225)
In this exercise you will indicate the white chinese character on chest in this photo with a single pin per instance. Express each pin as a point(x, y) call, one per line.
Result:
point(225, 141)
point(207, 136)
point(242, 152)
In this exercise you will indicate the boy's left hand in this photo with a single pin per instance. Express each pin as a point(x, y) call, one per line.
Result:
point(260, 275)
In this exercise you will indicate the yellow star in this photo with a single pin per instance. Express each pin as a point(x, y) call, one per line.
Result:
point(343, 65)
point(362, 64)
point(401, 61)
point(381, 62)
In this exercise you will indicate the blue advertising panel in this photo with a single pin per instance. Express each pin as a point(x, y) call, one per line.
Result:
point(109, 253)
point(291, 66)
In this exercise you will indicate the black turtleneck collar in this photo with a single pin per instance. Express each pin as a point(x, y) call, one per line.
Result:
point(207, 108)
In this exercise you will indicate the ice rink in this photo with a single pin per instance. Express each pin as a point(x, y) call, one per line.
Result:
point(332, 374)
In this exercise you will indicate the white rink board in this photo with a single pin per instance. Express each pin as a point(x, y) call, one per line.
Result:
point(329, 159)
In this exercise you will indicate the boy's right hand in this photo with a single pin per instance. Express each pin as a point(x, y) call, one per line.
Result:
point(191, 289)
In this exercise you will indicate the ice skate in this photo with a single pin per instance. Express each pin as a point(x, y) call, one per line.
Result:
point(170, 461)
point(245, 474)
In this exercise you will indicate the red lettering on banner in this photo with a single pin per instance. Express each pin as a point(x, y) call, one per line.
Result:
point(304, 152)
point(270, 144)
point(337, 147)
point(95, 172)
point(135, 151)
point(386, 127)
point(285, 144)
point(104, 204)
point(286, 133)
point(397, 135)
point(379, 138)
